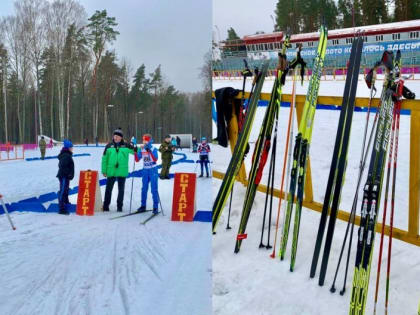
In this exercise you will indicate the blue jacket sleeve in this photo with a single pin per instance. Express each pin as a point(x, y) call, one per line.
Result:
point(155, 154)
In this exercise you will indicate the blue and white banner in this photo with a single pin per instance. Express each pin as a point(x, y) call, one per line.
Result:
point(342, 50)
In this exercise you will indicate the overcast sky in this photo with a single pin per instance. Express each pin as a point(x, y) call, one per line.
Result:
point(175, 34)
point(245, 16)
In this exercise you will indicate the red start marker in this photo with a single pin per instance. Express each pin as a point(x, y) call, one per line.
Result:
point(183, 202)
point(89, 197)
point(241, 236)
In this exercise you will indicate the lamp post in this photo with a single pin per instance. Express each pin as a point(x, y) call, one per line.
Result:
point(159, 133)
point(274, 24)
point(136, 123)
point(106, 120)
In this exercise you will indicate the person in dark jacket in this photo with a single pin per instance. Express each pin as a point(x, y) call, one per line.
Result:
point(195, 144)
point(204, 150)
point(178, 142)
point(65, 175)
point(166, 149)
point(42, 147)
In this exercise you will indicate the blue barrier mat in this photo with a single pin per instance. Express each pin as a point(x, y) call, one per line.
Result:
point(24, 206)
point(53, 208)
point(54, 157)
point(203, 216)
point(48, 197)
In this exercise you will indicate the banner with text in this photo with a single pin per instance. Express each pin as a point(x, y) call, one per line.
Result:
point(89, 198)
point(183, 202)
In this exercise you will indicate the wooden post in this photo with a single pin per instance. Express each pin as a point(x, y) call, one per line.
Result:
point(414, 178)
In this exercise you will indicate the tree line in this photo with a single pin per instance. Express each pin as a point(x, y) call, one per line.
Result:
point(303, 16)
point(58, 77)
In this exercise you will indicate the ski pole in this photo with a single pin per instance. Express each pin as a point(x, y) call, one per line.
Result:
point(270, 173)
point(160, 203)
point(273, 157)
point(381, 244)
point(286, 160)
point(7, 213)
point(196, 164)
point(132, 182)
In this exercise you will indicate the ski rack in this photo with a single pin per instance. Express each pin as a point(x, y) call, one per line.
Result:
point(412, 235)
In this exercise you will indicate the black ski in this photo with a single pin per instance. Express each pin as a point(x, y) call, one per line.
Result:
point(129, 214)
point(150, 218)
point(342, 160)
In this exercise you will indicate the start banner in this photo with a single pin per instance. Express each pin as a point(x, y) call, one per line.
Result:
point(183, 203)
point(89, 197)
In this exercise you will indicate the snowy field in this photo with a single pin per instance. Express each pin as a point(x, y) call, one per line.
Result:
point(56, 264)
point(252, 283)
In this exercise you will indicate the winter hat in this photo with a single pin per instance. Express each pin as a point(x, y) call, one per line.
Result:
point(167, 136)
point(203, 139)
point(147, 137)
point(68, 144)
point(118, 132)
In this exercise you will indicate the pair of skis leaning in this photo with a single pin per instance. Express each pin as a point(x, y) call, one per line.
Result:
point(338, 163)
point(264, 144)
point(301, 151)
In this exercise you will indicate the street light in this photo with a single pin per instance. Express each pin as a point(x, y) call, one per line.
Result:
point(274, 24)
point(136, 123)
point(106, 120)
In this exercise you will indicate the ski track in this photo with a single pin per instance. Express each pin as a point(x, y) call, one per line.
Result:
point(92, 265)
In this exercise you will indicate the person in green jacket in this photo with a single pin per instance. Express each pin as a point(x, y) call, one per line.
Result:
point(42, 146)
point(115, 167)
point(166, 148)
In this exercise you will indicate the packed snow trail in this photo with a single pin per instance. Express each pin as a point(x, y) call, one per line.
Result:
point(56, 264)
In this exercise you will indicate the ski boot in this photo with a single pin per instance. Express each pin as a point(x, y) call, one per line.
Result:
point(155, 211)
point(201, 175)
point(141, 209)
point(63, 212)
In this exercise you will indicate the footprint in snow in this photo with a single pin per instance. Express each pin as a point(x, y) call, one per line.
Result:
point(220, 289)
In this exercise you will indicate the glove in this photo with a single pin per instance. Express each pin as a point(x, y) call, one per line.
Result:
point(135, 149)
point(148, 147)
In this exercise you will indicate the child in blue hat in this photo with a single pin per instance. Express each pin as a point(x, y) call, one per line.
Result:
point(65, 175)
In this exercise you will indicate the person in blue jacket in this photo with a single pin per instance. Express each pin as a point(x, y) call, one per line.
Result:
point(149, 154)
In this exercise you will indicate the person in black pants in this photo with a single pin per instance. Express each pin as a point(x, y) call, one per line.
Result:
point(65, 175)
point(115, 167)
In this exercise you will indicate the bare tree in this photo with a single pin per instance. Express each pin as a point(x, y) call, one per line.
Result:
point(60, 15)
point(32, 13)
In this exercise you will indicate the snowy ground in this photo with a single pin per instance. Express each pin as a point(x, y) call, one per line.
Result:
point(252, 283)
point(56, 264)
